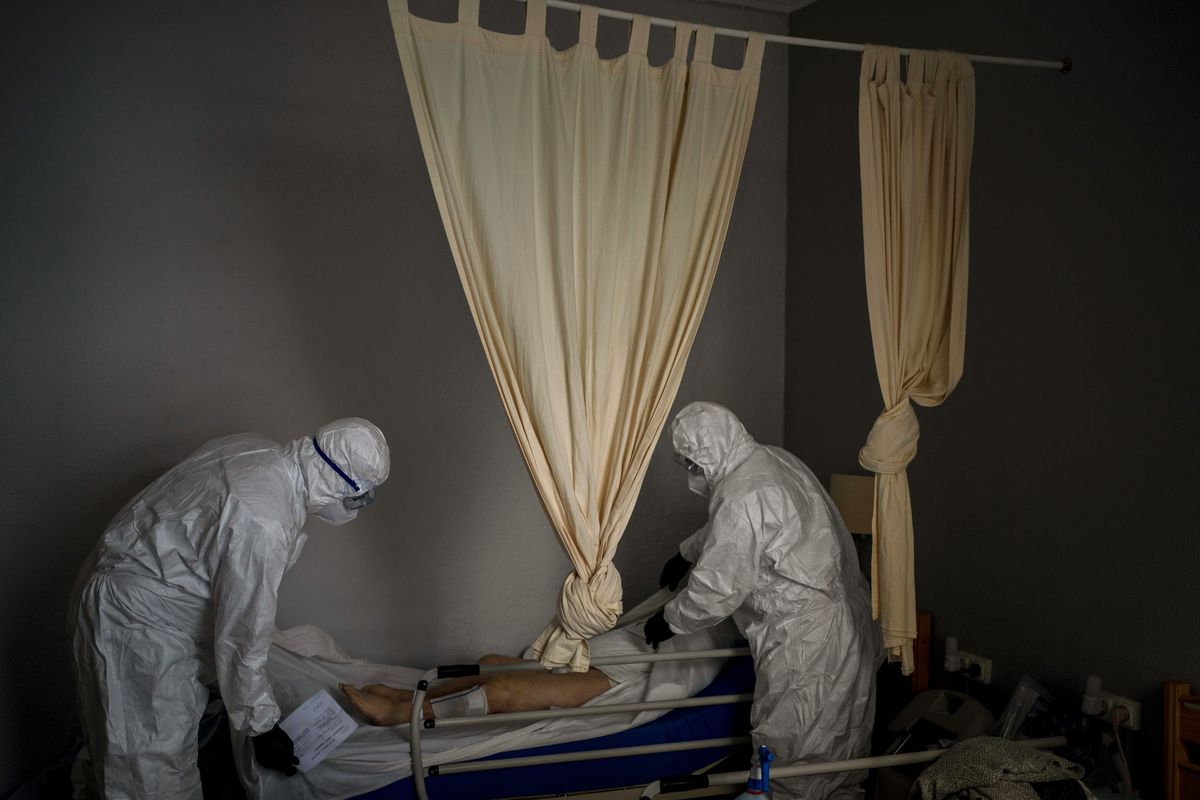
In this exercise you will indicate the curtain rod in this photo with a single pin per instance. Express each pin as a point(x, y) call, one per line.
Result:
point(1063, 64)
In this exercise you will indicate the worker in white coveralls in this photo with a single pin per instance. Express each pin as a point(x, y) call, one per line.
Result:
point(776, 556)
point(181, 592)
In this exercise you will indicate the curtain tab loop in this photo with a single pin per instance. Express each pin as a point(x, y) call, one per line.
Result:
point(468, 12)
point(683, 36)
point(754, 51)
point(588, 17)
point(880, 63)
point(704, 44)
point(535, 18)
point(639, 34)
point(867, 67)
point(922, 66)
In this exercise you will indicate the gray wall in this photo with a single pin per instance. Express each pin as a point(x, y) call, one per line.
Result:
point(1055, 523)
point(216, 218)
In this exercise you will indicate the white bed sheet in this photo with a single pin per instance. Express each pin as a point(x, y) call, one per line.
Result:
point(306, 659)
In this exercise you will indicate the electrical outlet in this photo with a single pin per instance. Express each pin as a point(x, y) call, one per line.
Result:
point(1115, 701)
point(984, 664)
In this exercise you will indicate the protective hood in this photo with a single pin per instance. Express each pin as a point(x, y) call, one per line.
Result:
point(359, 450)
point(713, 437)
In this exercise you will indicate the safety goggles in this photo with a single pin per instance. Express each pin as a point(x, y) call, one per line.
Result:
point(691, 466)
point(359, 500)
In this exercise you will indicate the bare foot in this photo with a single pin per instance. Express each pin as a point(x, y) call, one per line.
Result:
point(378, 707)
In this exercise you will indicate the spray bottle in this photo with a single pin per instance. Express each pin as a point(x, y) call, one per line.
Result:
point(758, 786)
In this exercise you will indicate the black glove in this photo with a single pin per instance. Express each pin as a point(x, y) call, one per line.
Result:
point(274, 750)
point(673, 572)
point(657, 630)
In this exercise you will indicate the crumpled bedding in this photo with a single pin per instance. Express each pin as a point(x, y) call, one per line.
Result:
point(306, 659)
point(991, 768)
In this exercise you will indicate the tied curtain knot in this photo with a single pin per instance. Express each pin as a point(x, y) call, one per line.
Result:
point(892, 443)
point(585, 609)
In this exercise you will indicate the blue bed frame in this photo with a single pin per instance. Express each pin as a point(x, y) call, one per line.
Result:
point(679, 725)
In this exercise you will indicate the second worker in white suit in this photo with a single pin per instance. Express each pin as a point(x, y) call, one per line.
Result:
point(776, 556)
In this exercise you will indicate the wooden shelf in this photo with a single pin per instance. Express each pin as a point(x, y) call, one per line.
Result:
point(1181, 729)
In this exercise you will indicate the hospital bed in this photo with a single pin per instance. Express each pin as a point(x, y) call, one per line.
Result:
point(695, 733)
point(665, 757)
point(456, 760)
point(670, 705)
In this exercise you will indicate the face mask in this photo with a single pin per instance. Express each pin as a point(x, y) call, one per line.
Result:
point(697, 484)
point(335, 513)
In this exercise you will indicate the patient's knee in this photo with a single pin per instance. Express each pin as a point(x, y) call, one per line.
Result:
point(502, 693)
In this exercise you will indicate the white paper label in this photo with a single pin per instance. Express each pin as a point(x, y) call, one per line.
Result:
point(317, 727)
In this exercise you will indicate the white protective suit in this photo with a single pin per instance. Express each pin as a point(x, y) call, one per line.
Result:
point(181, 591)
point(776, 556)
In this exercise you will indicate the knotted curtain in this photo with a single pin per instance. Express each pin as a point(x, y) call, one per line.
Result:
point(915, 139)
point(586, 202)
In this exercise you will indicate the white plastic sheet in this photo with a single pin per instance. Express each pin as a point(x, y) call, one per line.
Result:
point(306, 660)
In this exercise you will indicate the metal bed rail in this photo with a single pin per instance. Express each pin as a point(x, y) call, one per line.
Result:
point(588, 755)
point(683, 783)
point(589, 711)
point(416, 724)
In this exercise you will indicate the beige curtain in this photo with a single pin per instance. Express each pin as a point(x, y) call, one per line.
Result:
point(915, 139)
point(586, 203)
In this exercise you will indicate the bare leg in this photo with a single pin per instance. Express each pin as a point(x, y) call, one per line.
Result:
point(384, 705)
point(506, 691)
point(536, 691)
point(456, 685)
